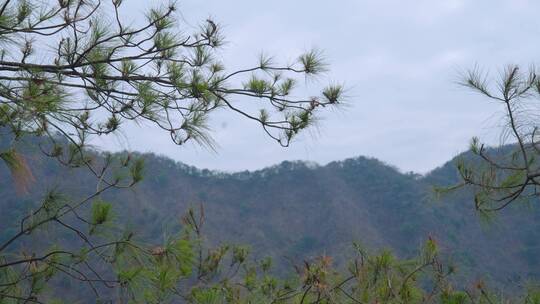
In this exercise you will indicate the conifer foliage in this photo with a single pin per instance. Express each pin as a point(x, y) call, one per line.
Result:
point(512, 173)
point(66, 67)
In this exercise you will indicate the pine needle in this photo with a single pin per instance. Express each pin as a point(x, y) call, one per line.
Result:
point(19, 169)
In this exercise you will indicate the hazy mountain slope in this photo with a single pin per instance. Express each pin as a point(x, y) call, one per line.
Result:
point(296, 209)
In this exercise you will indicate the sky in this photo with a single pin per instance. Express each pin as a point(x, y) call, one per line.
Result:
point(400, 61)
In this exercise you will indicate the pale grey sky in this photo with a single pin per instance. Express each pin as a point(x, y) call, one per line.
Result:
point(400, 61)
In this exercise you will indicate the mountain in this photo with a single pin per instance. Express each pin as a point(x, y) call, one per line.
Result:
point(296, 209)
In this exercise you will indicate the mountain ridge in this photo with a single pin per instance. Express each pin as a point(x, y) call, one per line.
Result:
point(297, 210)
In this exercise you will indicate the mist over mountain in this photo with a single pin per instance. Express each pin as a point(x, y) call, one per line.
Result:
point(295, 210)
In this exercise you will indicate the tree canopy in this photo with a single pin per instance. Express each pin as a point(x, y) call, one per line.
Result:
point(73, 69)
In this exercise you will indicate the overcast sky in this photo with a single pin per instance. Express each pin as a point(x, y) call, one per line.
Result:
point(400, 61)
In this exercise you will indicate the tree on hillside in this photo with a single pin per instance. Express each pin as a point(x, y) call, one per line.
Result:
point(503, 176)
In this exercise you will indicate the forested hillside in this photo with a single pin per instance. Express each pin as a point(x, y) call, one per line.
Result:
point(295, 210)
